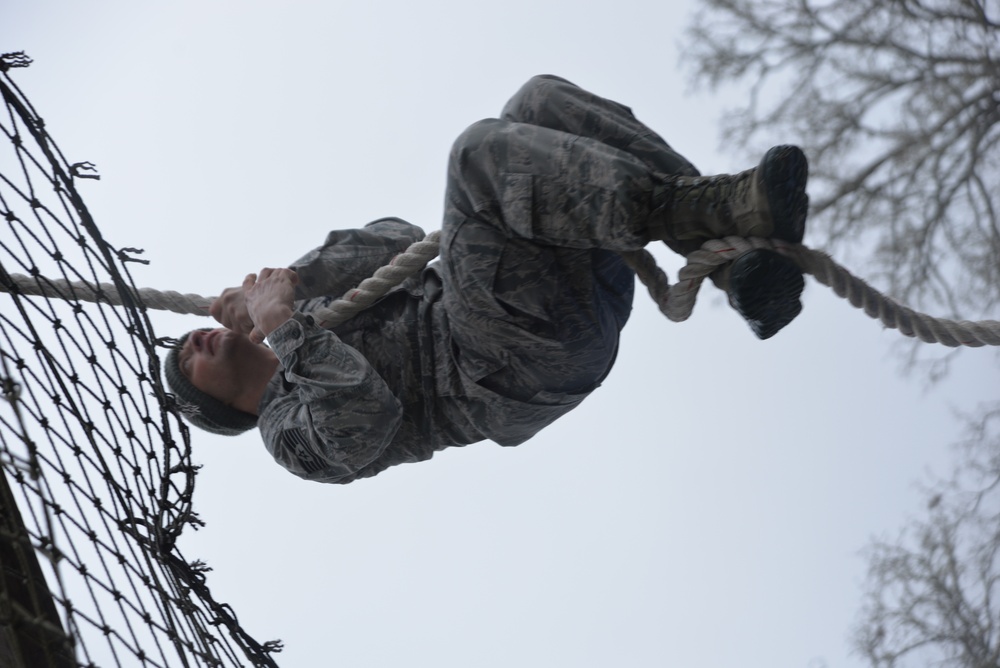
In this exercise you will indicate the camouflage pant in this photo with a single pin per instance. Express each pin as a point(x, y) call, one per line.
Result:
point(537, 203)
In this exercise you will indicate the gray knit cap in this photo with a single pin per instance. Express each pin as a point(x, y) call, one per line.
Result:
point(200, 409)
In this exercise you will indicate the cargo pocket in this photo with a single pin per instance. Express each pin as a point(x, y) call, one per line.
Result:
point(554, 210)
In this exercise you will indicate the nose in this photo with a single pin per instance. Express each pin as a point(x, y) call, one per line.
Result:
point(199, 339)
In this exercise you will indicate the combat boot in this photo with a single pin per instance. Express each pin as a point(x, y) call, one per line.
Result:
point(767, 201)
point(764, 287)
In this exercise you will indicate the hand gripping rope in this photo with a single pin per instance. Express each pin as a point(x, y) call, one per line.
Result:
point(674, 301)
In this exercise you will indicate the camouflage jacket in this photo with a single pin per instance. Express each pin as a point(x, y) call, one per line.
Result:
point(376, 391)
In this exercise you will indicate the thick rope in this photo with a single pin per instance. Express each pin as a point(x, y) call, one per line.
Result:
point(677, 301)
point(674, 301)
point(404, 265)
point(58, 288)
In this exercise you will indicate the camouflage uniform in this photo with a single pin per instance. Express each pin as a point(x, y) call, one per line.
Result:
point(515, 324)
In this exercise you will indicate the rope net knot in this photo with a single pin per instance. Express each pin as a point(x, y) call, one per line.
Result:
point(96, 477)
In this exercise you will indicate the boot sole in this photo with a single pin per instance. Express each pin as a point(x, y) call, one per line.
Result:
point(764, 288)
point(785, 172)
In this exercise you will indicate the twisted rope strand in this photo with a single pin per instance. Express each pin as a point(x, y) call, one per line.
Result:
point(58, 288)
point(952, 333)
point(675, 301)
point(370, 290)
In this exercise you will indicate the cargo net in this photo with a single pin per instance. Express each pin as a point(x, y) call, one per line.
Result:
point(97, 480)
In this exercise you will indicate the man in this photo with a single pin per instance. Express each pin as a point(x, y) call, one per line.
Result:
point(518, 321)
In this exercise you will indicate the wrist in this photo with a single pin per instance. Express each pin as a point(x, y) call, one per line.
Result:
point(273, 319)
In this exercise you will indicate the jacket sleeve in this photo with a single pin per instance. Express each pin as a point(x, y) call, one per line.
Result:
point(338, 415)
point(347, 257)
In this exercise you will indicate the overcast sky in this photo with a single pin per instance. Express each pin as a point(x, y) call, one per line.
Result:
point(705, 507)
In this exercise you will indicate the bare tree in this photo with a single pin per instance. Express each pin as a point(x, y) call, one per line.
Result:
point(934, 595)
point(897, 104)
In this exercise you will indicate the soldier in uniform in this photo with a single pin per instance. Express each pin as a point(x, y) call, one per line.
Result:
point(519, 319)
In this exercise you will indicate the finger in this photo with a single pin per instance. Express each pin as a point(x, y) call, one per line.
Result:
point(220, 315)
point(257, 336)
point(249, 281)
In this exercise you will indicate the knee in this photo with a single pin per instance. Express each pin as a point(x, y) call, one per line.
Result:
point(543, 81)
point(474, 139)
point(473, 164)
point(531, 97)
